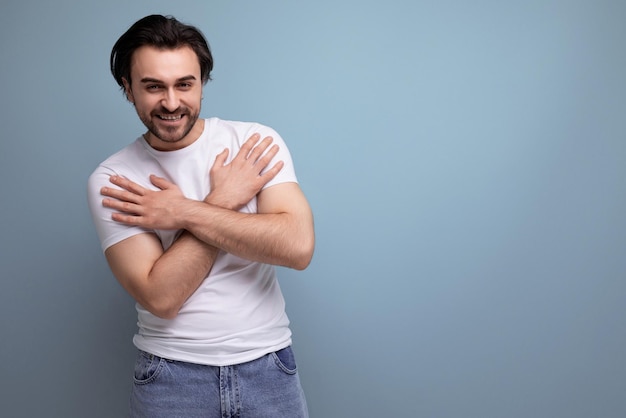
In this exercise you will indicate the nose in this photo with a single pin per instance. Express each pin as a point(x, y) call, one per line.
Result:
point(170, 100)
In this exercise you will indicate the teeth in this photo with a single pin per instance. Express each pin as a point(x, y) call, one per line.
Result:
point(171, 117)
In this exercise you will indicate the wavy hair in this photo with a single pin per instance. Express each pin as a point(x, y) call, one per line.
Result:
point(162, 32)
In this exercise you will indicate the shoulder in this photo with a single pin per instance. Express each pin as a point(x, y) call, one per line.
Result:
point(124, 157)
point(241, 129)
point(125, 162)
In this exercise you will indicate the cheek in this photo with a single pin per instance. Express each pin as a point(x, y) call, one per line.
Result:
point(145, 104)
point(193, 98)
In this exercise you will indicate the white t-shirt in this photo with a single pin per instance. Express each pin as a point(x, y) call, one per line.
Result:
point(238, 312)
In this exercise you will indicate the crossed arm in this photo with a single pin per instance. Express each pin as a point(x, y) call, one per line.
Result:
point(280, 233)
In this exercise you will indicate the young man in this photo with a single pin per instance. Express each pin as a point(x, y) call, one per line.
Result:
point(192, 216)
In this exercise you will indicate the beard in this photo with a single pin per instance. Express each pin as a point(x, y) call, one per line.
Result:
point(170, 134)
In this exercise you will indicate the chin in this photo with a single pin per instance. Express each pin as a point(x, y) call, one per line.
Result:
point(172, 136)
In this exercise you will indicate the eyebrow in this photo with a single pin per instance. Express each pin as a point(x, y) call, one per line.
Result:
point(156, 80)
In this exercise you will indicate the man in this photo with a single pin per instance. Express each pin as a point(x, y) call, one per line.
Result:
point(193, 236)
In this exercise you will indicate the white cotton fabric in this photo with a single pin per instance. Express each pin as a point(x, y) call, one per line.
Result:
point(238, 312)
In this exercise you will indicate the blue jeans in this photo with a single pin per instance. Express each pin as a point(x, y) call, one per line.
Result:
point(266, 387)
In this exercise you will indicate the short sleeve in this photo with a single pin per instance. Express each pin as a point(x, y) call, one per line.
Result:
point(287, 174)
point(109, 231)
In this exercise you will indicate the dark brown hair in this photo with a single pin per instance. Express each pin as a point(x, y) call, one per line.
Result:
point(163, 32)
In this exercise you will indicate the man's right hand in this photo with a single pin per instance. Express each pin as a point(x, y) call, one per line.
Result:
point(234, 184)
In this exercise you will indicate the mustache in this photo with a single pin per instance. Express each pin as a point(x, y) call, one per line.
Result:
point(181, 110)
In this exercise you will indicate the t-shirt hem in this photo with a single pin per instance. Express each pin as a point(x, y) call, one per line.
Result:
point(207, 360)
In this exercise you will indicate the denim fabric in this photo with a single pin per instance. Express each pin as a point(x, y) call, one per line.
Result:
point(266, 387)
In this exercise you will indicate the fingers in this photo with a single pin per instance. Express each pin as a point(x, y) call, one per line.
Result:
point(267, 157)
point(260, 149)
point(220, 160)
point(126, 199)
point(271, 173)
point(126, 219)
point(250, 151)
point(160, 182)
point(121, 195)
point(248, 145)
point(126, 184)
point(122, 206)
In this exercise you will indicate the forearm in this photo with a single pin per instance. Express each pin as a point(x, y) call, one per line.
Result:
point(272, 238)
point(161, 281)
point(178, 273)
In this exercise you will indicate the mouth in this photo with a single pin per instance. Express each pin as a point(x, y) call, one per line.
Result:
point(170, 118)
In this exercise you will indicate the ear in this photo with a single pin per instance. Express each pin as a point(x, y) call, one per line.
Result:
point(128, 91)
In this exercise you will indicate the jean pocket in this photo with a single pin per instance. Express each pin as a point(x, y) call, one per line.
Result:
point(285, 360)
point(147, 367)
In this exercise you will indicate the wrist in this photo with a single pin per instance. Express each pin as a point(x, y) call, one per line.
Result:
point(216, 199)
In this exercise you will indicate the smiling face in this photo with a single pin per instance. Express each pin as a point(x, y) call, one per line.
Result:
point(166, 89)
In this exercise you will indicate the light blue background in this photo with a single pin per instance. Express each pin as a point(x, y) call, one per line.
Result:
point(466, 163)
